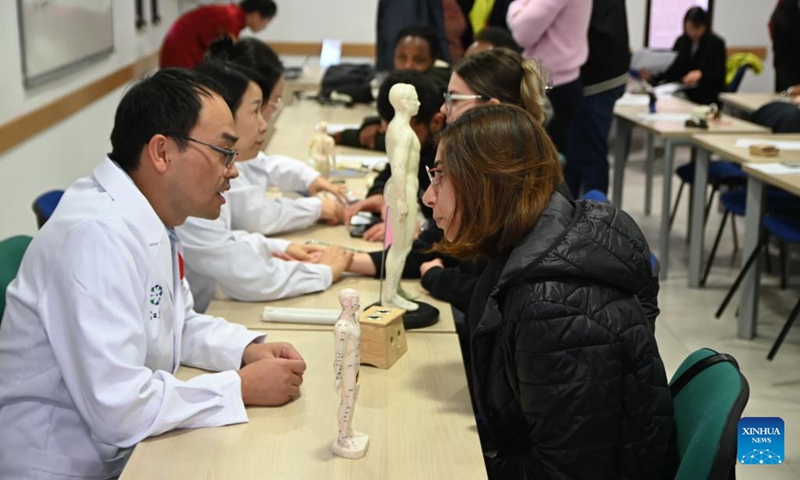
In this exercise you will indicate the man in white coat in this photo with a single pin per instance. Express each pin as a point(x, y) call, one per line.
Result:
point(99, 317)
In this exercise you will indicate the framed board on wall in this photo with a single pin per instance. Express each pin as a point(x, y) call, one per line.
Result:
point(60, 36)
point(665, 21)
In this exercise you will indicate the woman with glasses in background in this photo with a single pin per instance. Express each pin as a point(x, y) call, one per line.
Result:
point(566, 373)
point(241, 262)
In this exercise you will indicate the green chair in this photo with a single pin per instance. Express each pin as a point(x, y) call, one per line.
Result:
point(11, 252)
point(709, 394)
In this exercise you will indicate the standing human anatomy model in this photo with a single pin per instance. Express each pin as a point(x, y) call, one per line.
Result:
point(402, 146)
point(321, 150)
point(347, 359)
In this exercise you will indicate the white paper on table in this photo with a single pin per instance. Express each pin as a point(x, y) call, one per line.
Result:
point(668, 89)
point(633, 100)
point(783, 145)
point(655, 61)
point(340, 127)
point(665, 117)
point(776, 168)
point(370, 162)
point(316, 316)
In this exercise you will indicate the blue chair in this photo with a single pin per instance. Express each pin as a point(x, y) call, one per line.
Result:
point(45, 204)
point(777, 201)
point(719, 173)
point(596, 196)
point(733, 87)
point(11, 252)
point(785, 228)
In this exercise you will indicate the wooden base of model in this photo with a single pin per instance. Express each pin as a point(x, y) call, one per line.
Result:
point(383, 336)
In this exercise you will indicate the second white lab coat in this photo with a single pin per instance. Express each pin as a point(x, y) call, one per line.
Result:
point(242, 265)
point(252, 211)
point(96, 325)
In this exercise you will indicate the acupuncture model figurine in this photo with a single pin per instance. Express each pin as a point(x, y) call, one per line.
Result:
point(402, 146)
point(347, 359)
point(321, 150)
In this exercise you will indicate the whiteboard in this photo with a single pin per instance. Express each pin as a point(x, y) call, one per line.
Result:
point(59, 36)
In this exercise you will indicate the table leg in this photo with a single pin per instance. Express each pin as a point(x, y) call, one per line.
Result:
point(649, 161)
point(748, 310)
point(666, 204)
point(696, 228)
point(621, 148)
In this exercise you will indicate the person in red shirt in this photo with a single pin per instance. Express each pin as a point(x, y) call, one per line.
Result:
point(190, 36)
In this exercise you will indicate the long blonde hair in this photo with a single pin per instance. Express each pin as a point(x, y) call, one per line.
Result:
point(503, 74)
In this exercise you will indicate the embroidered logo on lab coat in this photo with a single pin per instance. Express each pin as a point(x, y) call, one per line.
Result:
point(155, 294)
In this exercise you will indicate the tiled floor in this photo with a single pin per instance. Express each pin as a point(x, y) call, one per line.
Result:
point(687, 318)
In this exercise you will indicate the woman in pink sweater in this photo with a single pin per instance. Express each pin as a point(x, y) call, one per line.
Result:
point(555, 32)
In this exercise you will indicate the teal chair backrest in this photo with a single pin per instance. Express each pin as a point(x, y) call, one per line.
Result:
point(11, 252)
point(709, 394)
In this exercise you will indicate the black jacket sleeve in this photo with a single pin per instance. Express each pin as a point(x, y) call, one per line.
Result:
point(455, 285)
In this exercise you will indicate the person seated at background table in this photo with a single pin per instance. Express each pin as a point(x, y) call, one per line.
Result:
point(100, 317)
point(492, 37)
point(416, 48)
point(251, 209)
point(567, 376)
point(426, 124)
point(191, 35)
point(700, 64)
point(247, 265)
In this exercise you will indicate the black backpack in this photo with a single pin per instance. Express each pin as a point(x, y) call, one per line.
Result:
point(348, 79)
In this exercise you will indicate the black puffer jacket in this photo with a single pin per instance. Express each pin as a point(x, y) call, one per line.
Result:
point(566, 370)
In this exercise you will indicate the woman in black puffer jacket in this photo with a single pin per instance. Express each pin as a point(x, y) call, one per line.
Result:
point(566, 371)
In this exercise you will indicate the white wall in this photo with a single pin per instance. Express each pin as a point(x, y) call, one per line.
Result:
point(69, 150)
point(742, 23)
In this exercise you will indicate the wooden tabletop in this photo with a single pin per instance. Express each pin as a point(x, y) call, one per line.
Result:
point(749, 102)
point(790, 182)
point(417, 413)
point(725, 146)
point(638, 115)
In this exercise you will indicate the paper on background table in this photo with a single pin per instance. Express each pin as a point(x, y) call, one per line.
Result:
point(667, 89)
point(317, 316)
point(339, 127)
point(665, 117)
point(366, 161)
point(633, 100)
point(776, 168)
point(652, 60)
point(783, 145)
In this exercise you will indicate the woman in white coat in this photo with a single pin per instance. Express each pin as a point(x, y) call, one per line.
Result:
point(251, 210)
point(243, 263)
point(100, 317)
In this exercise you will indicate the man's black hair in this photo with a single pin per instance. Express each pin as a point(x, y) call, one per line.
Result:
point(429, 96)
point(265, 8)
point(425, 32)
point(167, 101)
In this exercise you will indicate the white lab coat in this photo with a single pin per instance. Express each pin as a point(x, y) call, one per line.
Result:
point(96, 324)
point(241, 263)
point(252, 211)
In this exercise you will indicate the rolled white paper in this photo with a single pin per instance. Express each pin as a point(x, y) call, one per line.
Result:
point(315, 316)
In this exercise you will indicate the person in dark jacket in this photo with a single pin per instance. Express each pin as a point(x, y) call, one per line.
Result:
point(394, 15)
point(566, 371)
point(700, 64)
point(604, 76)
point(785, 32)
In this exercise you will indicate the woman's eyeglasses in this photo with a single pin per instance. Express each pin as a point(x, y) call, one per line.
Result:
point(435, 175)
point(230, 155)
point(450, 98)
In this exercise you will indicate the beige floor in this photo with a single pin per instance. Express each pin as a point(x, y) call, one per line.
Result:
point(687, 318)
